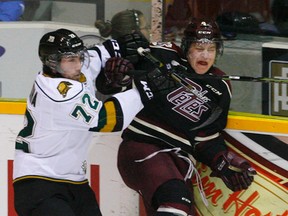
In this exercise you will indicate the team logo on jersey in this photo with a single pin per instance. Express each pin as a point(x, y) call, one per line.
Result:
point(64, 87)
point(190, 104)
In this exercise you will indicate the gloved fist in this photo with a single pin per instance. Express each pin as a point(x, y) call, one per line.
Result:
point(116, 72)
point(235, 171)
point(130, 43)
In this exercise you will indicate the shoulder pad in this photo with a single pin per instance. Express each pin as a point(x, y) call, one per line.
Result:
point(59, 89)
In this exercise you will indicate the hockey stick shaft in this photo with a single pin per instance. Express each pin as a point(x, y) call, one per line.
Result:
point(255, 79)
point(243, 78)
point(233, 77)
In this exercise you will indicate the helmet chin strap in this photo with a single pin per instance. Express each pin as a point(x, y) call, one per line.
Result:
point(58, 69)
point(54, 66)
point(50, 72)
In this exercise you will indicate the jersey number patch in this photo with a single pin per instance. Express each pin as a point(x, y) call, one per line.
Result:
point(80, 110)
point(25, 132)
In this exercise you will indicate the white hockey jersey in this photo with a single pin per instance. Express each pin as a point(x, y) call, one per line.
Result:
point(60, 115)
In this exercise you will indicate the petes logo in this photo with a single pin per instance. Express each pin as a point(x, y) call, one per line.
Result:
point(190, 104)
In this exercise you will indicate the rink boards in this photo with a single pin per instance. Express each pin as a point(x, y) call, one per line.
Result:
point(267, 150)
point(261, 140)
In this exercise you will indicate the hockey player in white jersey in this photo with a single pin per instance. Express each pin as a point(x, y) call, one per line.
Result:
point(62, 112)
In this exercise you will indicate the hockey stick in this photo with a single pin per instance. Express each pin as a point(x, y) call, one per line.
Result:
point(255, 79)
point(215, 109)
point(232, 77)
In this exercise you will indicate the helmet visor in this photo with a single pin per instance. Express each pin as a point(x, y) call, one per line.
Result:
point(54, 60)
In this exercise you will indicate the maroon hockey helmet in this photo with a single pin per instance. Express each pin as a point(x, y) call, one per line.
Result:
point(204, 31)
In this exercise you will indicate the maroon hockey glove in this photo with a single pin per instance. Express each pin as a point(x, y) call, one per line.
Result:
point(235, 171)
point(116, 72)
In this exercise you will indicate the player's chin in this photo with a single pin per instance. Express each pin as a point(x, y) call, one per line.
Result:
point(201, 70)
point(76, 76)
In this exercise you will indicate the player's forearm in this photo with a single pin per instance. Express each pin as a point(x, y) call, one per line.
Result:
point(130, 103)
point(118, 111)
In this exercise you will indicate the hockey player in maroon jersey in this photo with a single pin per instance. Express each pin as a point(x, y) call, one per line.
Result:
point(181, 122)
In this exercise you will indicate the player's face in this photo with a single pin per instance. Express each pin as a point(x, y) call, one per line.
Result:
point(71, 67)
point(201, 56)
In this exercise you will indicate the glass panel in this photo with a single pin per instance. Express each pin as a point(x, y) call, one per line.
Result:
point(257, 17)
point(247, 27)
point(255, 45)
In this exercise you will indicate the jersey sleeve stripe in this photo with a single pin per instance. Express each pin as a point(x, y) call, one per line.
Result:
point(110, 116)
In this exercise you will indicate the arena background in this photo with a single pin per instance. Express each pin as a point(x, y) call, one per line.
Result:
point(260, 139)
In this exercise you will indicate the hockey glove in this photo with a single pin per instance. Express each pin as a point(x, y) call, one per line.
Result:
point(116, 72)
point(235, 171)
point(154, 84)
point(130, 43)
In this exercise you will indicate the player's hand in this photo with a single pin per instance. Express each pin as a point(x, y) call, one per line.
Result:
point(235, 171)
point(130, 43)
point(116, 72)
